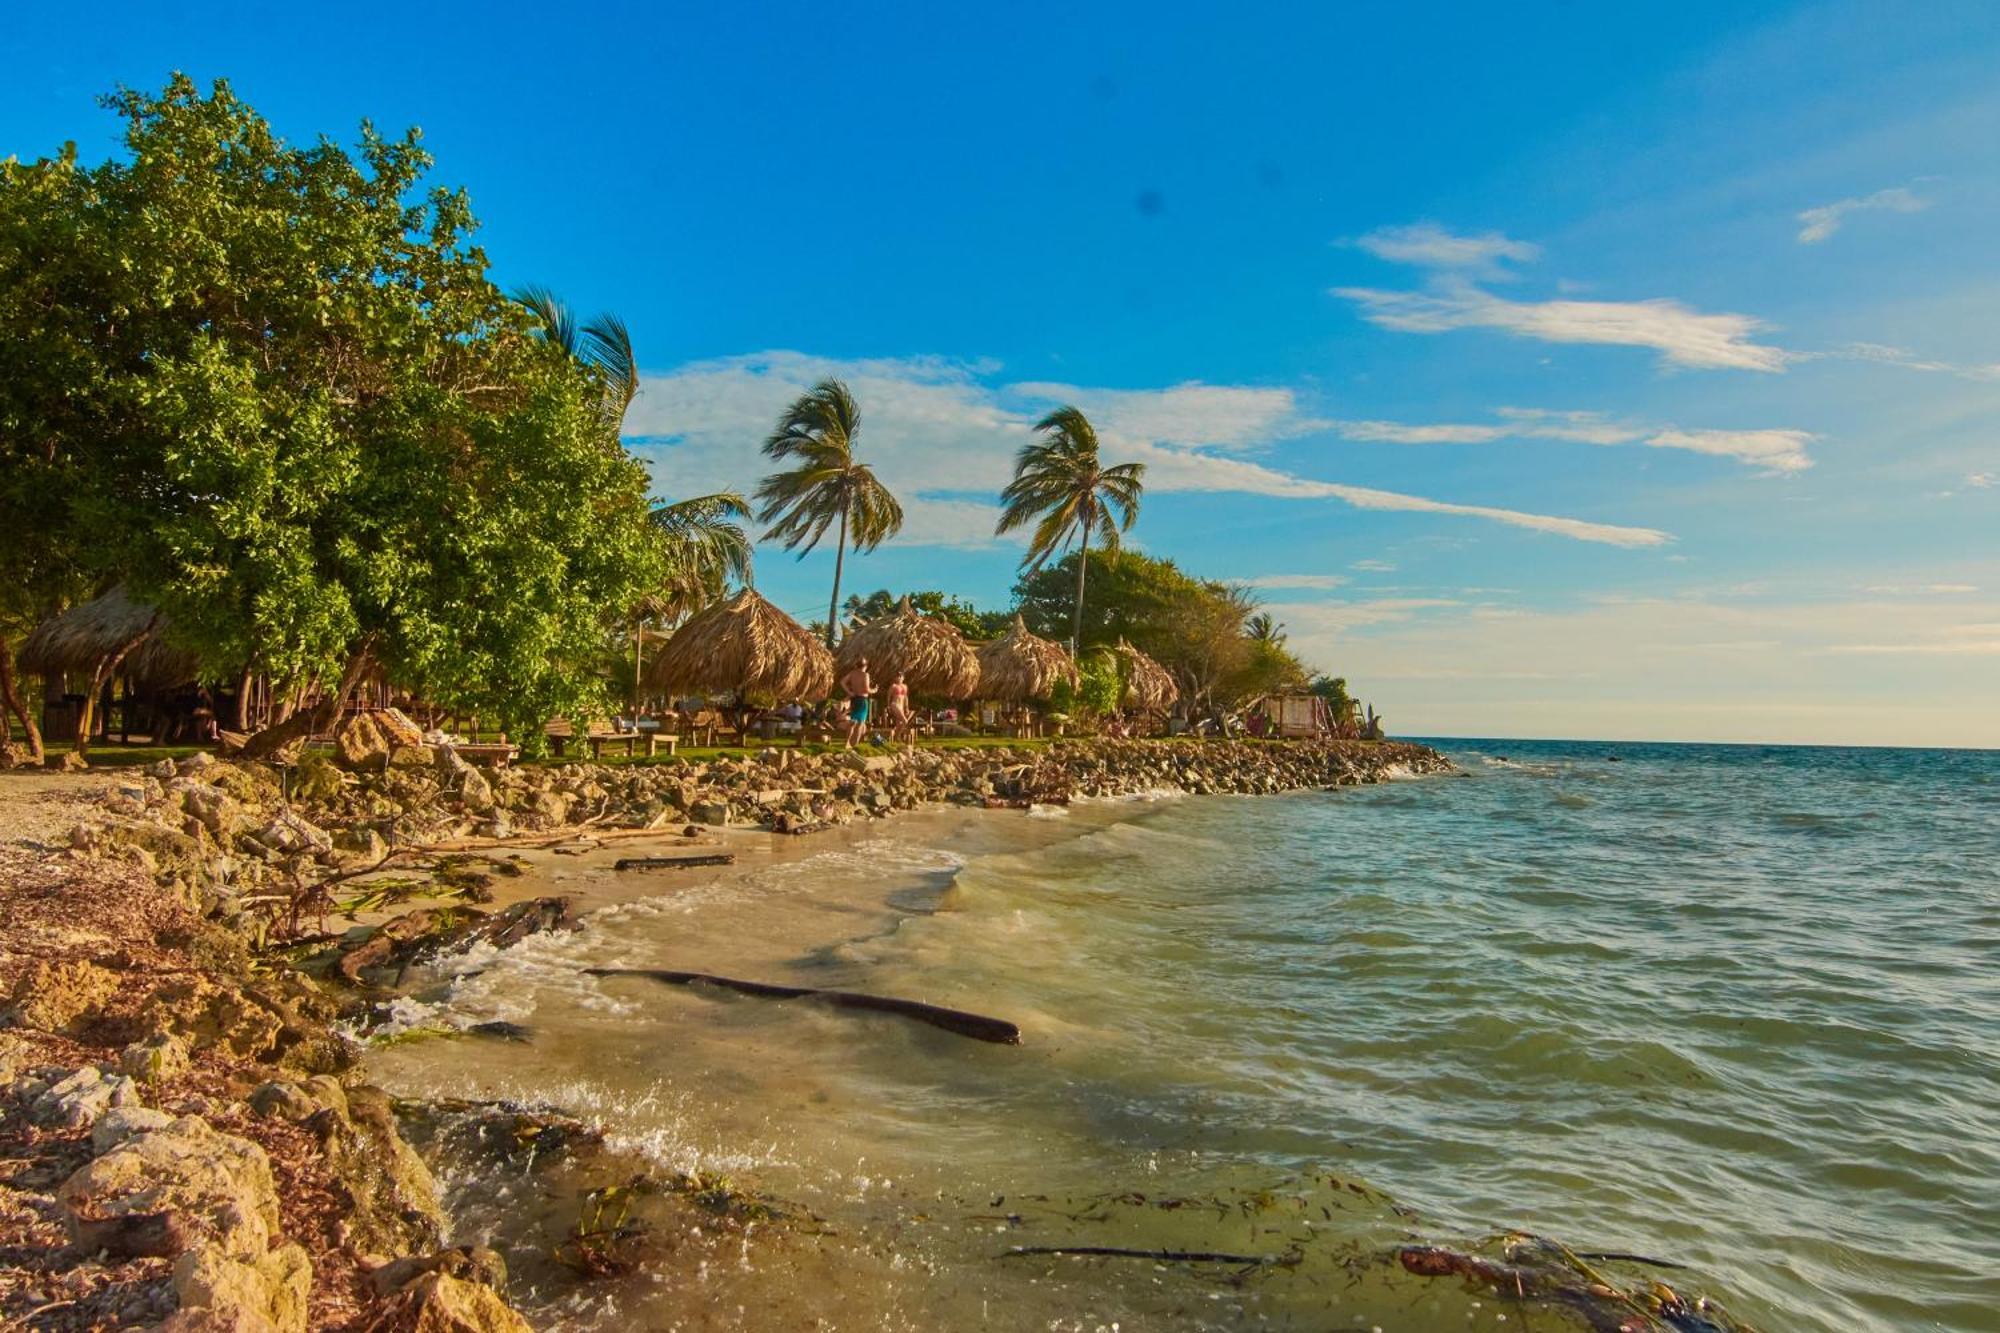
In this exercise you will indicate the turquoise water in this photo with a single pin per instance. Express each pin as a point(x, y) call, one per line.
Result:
point(1734, 1007)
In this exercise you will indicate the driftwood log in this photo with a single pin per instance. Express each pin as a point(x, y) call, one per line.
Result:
point(977, 1026)
point(674, 862)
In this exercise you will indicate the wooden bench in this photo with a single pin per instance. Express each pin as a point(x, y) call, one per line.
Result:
point(561, 733)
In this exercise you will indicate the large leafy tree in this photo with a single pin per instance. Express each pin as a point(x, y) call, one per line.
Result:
point(825, 484)
point(1206, 632)
point(968, 619)
point(1064, 489)
point(297, 416)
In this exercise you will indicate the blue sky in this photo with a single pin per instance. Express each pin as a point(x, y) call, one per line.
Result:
point(1570, 370)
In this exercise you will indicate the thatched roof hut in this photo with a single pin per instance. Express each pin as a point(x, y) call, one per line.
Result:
point(1148, 686)
point(1019, 665)
point(932, 656)
point(747, 645)
point(74, 642)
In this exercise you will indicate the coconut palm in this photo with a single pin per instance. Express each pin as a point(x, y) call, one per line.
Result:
point(825, 485)
point(706, 547)
point(1262, 628)
point(1062, 487)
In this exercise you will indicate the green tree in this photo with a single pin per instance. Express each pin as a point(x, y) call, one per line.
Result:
point(825, 485)
point(1063, 488)
point(968, 619)
point(295, 415)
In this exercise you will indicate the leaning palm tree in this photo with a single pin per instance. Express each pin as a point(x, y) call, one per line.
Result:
point(704, 547)
point(603, 345)
point(825, 485)
point(1062, 487)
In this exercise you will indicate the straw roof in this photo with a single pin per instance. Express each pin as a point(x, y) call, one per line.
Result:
point(932, 656)
point(1021, 665)
point(1148, 686)
point(74, 642)
point(747, 645)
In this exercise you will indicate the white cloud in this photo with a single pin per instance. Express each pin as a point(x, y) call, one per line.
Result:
point(1902, 356)
point(1969, 647)
point(1295, 581)
point(1921, 589)
point(1771, 449)
point(1374, 566)
point(937, 433)
point(1428, 245)
point(1169, 469)
point(1979, 480)
point(1683, 336)
point(1822, 222)
point(1396, 432)
point(1222, 416)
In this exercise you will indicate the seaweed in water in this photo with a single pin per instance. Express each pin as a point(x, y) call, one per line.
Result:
point(1546, 1272)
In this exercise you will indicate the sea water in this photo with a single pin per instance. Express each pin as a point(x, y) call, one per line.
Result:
point(1735, 1008)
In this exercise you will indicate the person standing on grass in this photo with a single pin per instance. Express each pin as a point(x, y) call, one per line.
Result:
point(900, 722)
point(858, 687)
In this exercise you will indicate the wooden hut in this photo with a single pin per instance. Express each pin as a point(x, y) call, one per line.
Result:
point(1296, 715)
point(932, 656)
point(82, 652)
point(1149, 687)
point(745, 645)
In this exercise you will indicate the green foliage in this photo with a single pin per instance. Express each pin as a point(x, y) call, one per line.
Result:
point(1333, 689)
point(276, 392)
point(1203, 631)
point(1097, 691)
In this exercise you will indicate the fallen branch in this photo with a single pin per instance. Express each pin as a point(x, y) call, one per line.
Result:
point(1163, 1256)
point(674, 862)
point(977, 1026)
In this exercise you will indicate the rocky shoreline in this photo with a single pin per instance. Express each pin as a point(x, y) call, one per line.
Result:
point(184, 1140)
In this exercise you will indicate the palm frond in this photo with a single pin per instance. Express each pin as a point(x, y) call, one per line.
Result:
point(606, 344)
point(558, 322)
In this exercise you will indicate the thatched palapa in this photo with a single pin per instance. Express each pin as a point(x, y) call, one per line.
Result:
point(1148, 686)
point(1020, 665)
point(75, 642)
point(746, 645)
point(932, 656)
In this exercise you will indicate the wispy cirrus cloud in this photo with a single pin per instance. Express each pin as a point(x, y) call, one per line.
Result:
point(1681, 335)
point(1305, 581)
point(1826, 219)
point(1427, 245)
point(943, 434)
point(1220, 416)
point(1772, 450)
point(1902, 356)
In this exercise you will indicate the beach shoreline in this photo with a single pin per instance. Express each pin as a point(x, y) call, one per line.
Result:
point(248, 1052)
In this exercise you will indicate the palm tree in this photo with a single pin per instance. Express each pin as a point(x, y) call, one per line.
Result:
point(1263, 629)
point(1066, 491)
point(825, 485)
point(705, 547)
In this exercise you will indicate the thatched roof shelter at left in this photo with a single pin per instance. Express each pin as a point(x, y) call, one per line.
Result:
point(75, 642)
point(1021, 665)
point(745, 645)
point(932, 656)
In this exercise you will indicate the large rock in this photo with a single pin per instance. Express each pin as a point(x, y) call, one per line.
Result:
point(219, 1185)
point(76, 1100)
point(440, 1303)
point(60, 997)
point(219, 1291)
point(363, 743)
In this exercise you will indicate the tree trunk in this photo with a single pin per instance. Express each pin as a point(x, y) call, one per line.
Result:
point(10, 693)
point(1076, 616)
point(243, 701)
point(839, 555)
point(638, 662)
point(86, 721)
point(306, 721)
